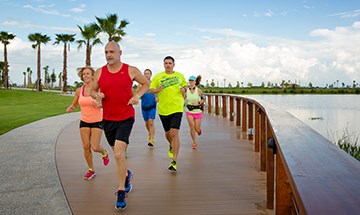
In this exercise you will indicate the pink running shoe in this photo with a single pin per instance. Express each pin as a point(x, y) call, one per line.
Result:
point(89, 175)
point(200, 132)
point(105, 158)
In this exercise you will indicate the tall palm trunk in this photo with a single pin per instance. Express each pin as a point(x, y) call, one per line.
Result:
point(60, 81)
point(38, 83)
point(6, 69)
point(64, 70)
point(24, 73)
point(88, 53)
point(30, 79)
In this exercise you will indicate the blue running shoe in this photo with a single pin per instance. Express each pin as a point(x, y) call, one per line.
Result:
point(128, 185)
point(120, 203)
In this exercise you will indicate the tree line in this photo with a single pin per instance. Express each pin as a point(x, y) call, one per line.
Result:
point(111, 25)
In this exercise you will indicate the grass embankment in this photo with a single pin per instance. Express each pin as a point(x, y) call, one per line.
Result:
point(349, 142)
point(20, 107)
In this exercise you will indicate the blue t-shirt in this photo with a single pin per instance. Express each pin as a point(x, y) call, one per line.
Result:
point(148, 101)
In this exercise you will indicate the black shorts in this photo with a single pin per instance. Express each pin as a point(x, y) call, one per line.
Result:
point(118, 130)
point(91, 125)
point(171, 121)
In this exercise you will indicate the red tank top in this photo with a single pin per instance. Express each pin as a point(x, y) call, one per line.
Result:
point(117, 88)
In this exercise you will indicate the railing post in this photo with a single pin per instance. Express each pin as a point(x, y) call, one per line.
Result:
point(263, 142)
point(238, 111)
point(250, 121)
point(271, 149)
point(216, 105)
point(244, 113)
point(257, 129)
point(224, 107)
point(209, 103)
point(283, 200)
point(231, 100)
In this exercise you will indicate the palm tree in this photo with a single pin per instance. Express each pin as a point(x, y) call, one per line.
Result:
point(38, 38)
point(52, 78)
point(108, 25)
point(212, 84)
point(46, 69)
point(60, 78)
point(89, 33)
point(66, 39)
point(24, 73)
point(48, 79)
point(1, 71)
point(28, 70)
point(5, 37)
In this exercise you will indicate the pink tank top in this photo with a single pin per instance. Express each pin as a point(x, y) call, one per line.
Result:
point(89, 113)
point(117, 88)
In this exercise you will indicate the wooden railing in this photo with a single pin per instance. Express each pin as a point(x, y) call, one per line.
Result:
point(305, 172)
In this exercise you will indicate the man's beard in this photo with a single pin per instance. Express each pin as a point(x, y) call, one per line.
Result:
point(111, 61)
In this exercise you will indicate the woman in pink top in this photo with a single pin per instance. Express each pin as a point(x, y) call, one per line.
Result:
point(91, 125)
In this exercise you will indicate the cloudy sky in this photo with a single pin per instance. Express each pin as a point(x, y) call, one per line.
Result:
point(247, 41)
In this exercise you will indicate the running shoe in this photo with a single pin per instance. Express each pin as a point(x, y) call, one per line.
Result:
point(200, 132)
point(120, 202)
point(150, 145)
point(170, 152)
point(194, 145)
point(128, 184)
point(89, 175)
point(105, 158)
point(173, 166)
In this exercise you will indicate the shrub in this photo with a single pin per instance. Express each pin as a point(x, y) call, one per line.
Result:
point(349, 143)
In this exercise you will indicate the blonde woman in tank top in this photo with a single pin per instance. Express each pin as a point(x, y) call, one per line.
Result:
point(193, 103)
point(91, 125)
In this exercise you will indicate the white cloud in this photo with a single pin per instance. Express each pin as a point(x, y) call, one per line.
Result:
point(356, 25)
point(269, 13)
point(348, 14)
point(46, 10)
point(150, 34)
point(79, 9)
point(22, 24)
point(222, 54)
point(82, 19)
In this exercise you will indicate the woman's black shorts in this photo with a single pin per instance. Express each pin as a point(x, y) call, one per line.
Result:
point(91, 125)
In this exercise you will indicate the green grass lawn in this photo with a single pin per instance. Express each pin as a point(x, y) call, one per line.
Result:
point(20, 107)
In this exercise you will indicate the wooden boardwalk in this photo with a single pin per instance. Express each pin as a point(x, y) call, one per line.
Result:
point(221, 177)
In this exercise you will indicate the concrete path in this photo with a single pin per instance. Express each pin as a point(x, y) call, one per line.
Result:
point(29, 181)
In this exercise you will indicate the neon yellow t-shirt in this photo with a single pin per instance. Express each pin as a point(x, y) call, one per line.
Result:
point(170, 97)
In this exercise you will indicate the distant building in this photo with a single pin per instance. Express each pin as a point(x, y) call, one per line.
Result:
point(289, 85)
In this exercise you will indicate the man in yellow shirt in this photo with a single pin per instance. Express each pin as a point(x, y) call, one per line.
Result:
point(170, 87)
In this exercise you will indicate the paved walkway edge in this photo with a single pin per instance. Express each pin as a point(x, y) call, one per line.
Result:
point(29, 181)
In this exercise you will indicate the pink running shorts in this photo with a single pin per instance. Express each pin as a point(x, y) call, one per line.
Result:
point(195, 115)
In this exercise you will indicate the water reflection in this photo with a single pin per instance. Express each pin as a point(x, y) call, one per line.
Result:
point(329, 115)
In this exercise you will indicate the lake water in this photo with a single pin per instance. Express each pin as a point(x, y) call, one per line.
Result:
point(329, 115)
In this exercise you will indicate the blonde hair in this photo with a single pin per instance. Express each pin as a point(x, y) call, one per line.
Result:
point(80, 71)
